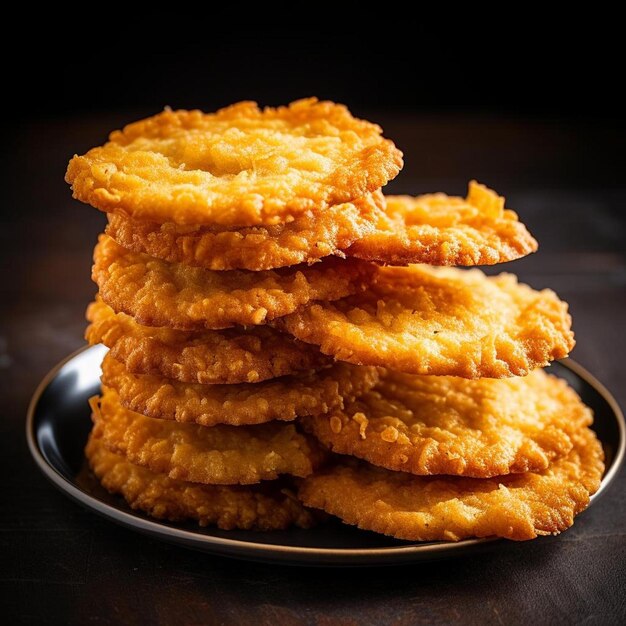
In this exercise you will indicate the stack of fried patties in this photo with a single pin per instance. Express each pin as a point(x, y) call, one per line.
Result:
point(219, 225)
point(262, 307)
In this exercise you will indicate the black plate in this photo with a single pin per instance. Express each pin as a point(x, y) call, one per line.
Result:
point(57, 427)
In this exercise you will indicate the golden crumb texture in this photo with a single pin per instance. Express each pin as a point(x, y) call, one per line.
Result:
point(441, 321)
point(229, 507)
point(483, 428)
point(240, 166)
point(446, 230)
point(284, 399)
point(418, 508)
point(221, 455)
point(308, 238)
point(158, 293)
point(228, 356)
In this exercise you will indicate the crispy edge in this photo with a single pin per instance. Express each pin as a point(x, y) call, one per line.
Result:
point(310, 237)
point(517, 507)
point(221, 455)
point(238, 405)
point(543, 333)
point(206, 357)
point(96, 178)
point(375, 439)
point(494, 235)
point(227, 507)
point(158, 293)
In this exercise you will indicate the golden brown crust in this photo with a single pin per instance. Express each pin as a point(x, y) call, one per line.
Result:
point(442, 321)
point(446, 425)
point(228, 356)
point(241, 166)
point(444, 230)
point(419, 508)
point(310, 237)
point(244, 404)
point(262, 507)
point(158, 293)
point(221, 455)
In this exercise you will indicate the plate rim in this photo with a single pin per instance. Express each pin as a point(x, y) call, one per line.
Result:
point(278, 552)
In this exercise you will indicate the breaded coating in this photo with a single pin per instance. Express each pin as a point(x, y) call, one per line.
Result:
point(448, 508)
point(221, 455)
point(447, 425)
point(241, 166)
point(311, 236)
point(259, 507)
point(158, 293)
point(441, 321)
point(228, 356)
point(446, 230)
point(282, 399)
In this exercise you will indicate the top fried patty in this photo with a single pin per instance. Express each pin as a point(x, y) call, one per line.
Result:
point(240, 166)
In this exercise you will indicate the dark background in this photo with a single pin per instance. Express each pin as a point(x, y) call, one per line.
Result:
point(526, 105)
point(470, 90)
point(521, 63)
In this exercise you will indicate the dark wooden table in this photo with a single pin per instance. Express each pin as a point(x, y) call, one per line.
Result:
point(64, 565)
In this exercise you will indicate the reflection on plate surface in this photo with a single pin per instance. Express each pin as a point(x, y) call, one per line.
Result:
point(59, 421)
